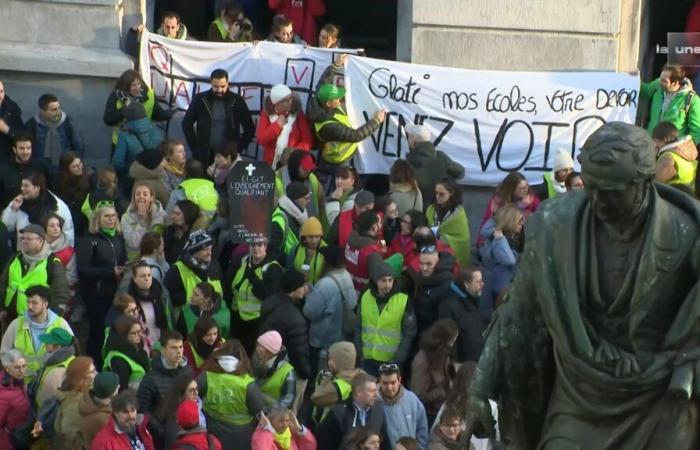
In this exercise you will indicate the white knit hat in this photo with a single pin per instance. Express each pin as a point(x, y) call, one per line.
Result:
point(562, 160)
point(279, 92)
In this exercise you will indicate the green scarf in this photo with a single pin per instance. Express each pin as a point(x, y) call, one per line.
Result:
point(283, 439)
point(111, 232)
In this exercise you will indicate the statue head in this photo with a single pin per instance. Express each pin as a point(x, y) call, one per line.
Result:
point(617, 167)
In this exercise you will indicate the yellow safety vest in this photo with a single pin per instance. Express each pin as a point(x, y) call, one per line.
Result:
point(137, 370)
point(344, 390)
point(39, 383)
point(549, 182)
point(226, 398)
point(289, 239)
point(273, 385)
point(316, 266)
point(223, 31)
point(18, 283)
point(244, 301)
point(337, 152)
point(685, 170)
point(202, 193)
point(381, 332)
point(23, 343)
point(190, 280)
point(148, 105)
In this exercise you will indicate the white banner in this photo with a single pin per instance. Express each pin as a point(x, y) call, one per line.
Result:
point(490, 122)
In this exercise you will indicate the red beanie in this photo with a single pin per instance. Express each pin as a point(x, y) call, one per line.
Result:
point(188, 414)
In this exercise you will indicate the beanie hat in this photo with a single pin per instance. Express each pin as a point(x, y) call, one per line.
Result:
point(279, 92)
point(364, 198)
point(296, 190)
point(134, 111)
point(365, 221)
point(312, 227)
point(150, 158)
point(198, 240)
point(307, 162)
point(378, 269)
point(395, 261)
point(343, 354)
point(57, 336)
point(292, 280)
point(333, 255)
point(271, 341)
point(187, 414)
point(105, 385)
point(562, 160)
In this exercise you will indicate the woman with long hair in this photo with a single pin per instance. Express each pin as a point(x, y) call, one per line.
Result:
point(106, 189)
point(125, 354)
point(205, 301)
point(124, 305)
point(174, 163)
point(448, 216)
point(231, 397)
point(184, 387)
point(362, 438)
point(152, 252)
point(403, 241)
point(144, 214)
point(101, 262)
point(432, 369)
point(73, 187)
point(185, 217)
point(202, 341)
point(403, 187)
point(80, 374)
point(152, 302)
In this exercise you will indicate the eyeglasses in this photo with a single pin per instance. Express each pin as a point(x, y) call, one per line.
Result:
point(428, 249)
point(389, 367)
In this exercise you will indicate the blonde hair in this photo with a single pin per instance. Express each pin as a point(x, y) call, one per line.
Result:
point(132, 205)
point(97, 215)
point(507, 218)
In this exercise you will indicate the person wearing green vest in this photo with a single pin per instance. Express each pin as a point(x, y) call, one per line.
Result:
point(24, 332)
point(196, 188)
point(387, 324)
point(33, 265)
point(272, 370)
point(672, 99)
point(125, 353)
point(130, 87)
point(305, 257)
point(287, 219)
point(194, 266)
point(231, 397)
point(205, 301)
point(231, 25)
point(202, 341)
point(676, 160)
point(334, 385)
point(60, 351)
point(555, 181)
point(300, 167)
point(448, 219)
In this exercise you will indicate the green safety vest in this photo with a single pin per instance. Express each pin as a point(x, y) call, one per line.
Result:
point(244, 301)
point(223, 31)
point(381, 332)
point(47, 370)
point(273, 385)
point(202, 193)
point(289, 239)
point(190, 280)
point(337, 152)
point(549, 182)
point(344, 390)
point(685, 170)
point(316, 266)
point(222, 318)
point(137, 370)
point(226, 398)
point(148, 105)
point(18, 283)
point(23, 343)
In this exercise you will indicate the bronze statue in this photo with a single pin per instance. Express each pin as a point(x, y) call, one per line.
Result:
point(597, 345)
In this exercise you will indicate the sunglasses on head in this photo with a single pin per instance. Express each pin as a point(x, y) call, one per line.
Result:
point(389, 367)
point(428, 249)
point(102, 203)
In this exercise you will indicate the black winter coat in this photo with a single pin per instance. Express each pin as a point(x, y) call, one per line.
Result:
point(429, 291)
point(463, 308)
point(11, 174)
point(200, 112)
point(97, 255)
point(343, 418)
point(11, 113)
point(280, 314)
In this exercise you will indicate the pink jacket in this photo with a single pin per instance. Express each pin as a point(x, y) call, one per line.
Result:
point(264, 440)
point(14, 408)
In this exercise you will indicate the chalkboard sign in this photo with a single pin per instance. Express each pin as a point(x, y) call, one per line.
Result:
point(251, 195)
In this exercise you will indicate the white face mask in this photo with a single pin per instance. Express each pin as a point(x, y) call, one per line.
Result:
point(228, 363)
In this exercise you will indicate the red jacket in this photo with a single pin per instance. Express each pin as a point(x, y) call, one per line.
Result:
point(109, 438)
point(357, 253)
point(14, 408)
point(197, 439)
point(65, 255)
point(303, 15)
point(267, 133)
point(346, 219)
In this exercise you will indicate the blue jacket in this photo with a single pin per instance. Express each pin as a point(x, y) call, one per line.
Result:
point(137, 136)
point(71, 141)
point(498, 260)
point(406, 417)
point(324, 308)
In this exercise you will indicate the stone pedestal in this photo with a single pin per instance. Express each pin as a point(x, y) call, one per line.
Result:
point(70, 48)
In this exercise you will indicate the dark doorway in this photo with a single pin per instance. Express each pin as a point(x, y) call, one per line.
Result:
point(368, 24)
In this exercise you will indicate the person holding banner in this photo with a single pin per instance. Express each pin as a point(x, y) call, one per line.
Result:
point(219, 115)
point(283, 30)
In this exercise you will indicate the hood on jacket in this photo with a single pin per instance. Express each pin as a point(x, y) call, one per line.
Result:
point(140, 126)
point(87, 406)
point(181, 32)
point(684, 147)
point(422, 155)
point(358, 241)
point(138, 171)
point(439, 439)
point(59, 356)
point(44, 123)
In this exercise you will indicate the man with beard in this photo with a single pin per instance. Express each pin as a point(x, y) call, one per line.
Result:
point(18, 164)
point(219, 114)
point(125, 428)
point(404, 413)
point(273, 372)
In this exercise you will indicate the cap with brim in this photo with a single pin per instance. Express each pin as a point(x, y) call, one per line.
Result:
point(57, 336)
point(34, 228)
point(330, 92)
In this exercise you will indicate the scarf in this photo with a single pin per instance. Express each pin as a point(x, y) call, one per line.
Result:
point(33, 260)
point(283, 439)
point(111, 232)
point(293, 210)
point(283, 137)
point(127, 98)
point(177, 171)
point(52, 144)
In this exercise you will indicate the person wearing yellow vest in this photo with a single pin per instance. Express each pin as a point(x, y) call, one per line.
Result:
point(231, 397)
point(554, 182)
point(676, 160)
point(205, 301)
point(33, 265)
point(387, 324)
point(125, 353)
point(24, 332)
point(194, 266)
point(305, 257)
point(130, 87)
point(279, 428)
point(334, 385)
point(288, 217)
point(300, 167)
point(231, 25)
point(195, 188)
point(272, 370)
point(60, 351)
point(202, 341)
